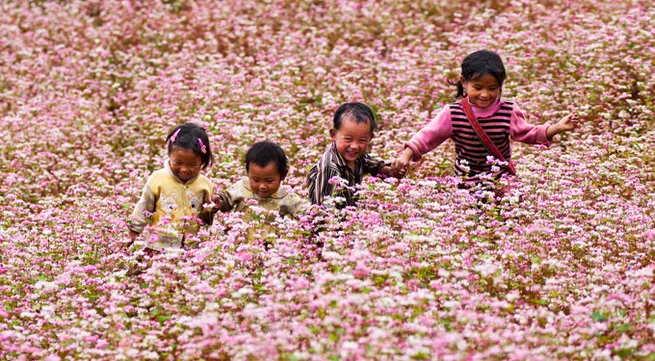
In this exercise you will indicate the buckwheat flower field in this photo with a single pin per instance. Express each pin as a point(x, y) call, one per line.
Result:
point(561, 268)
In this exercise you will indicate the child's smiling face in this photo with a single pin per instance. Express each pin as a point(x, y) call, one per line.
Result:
point(352, 139)
point(264, 181)
point(185, 164)
point(482, 91)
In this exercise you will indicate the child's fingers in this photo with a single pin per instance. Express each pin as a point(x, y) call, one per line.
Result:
point(394, 166)
point(574, 119)
point(401, 171)
point(399, 164)
point(569, 121)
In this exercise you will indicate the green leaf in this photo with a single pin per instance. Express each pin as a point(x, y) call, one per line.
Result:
point(334, 337)
point(421, 356)
point(598, 316)
point(623, 353)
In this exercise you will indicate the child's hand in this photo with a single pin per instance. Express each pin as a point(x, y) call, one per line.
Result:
point(218, 203)
point(568, 123)
point(400, 165)
point(565, 124)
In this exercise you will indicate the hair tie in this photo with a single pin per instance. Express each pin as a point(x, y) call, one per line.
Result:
point(175, 135)
point(203, 149)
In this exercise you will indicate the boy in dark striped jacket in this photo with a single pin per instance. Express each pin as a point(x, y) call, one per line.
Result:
point(347, 158)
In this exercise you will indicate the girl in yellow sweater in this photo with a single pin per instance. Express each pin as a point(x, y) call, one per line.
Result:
point(173, 199)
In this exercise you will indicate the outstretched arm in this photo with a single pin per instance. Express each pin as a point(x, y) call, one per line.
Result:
point(431, 136)
point(227, 199)
point(522, 131)
point(568, 123)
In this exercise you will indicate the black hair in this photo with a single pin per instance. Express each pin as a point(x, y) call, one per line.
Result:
point(263, 153)
point(358, 112)
point(189, 136)
point(480, 63)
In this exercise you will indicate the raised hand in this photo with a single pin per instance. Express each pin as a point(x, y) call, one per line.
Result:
point(565, 124)
point(568, 123)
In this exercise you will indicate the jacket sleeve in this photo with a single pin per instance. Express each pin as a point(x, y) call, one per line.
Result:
point(437, 131)
point(372, 165)
point(318, 183)
point(294, 204)
point(232, 196)
point(144, 209)
point(521, 131)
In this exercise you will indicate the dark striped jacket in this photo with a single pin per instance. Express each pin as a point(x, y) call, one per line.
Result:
point(333, 165)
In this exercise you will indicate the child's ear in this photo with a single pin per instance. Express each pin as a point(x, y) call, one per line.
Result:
point(333, 134)
point(462, 81)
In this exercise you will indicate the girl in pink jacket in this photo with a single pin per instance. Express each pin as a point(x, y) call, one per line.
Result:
point(481, 82)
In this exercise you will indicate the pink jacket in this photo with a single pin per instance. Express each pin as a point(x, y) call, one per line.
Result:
point(440, 128)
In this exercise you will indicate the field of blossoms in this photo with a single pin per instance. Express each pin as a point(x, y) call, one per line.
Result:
point(562, 268)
